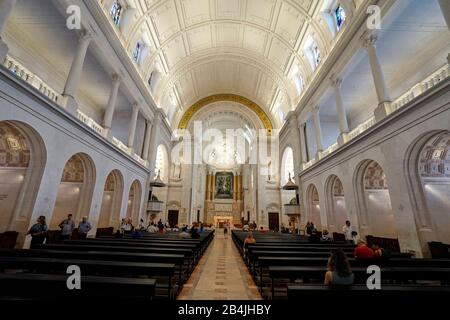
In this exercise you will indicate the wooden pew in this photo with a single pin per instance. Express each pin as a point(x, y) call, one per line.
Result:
point(53, 287)
point(91, 267)
point(360, 293)
point(176, 259)
point(387, 273)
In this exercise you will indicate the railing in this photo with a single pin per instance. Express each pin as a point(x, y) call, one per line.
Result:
point(361, 128)
point(19, 70)
point(329, 150)
point(292, 209)
point(26, 75)
point(90, 123)
point(432, 80)
point(429, 82)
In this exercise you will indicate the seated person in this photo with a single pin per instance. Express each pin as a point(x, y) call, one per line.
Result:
point(248, 240)
point(379, 252)
point(137, 234)
point(362, 251)
point(338, 270)
point(325, 236)
point(246, 227)
point(314, 237)
point(194, 233)
point(261, 229)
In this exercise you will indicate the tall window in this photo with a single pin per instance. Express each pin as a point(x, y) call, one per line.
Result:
point(137, 51)
point(340, 16)
point(116, 11)
point(299, 82)
point(316, 53)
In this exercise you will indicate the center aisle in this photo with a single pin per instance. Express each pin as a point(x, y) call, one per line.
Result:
point(220, 275)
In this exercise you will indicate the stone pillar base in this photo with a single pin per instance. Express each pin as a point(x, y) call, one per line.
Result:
point(383, 109)
point(70, 104)
point(342, 139)
point(3, 51)
point(318, 154)
point(108, 134)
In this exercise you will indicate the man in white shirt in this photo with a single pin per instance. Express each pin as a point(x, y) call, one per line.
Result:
point(347, 230)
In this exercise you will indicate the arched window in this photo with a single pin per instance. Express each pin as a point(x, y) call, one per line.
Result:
point(116, 11)
point(137, 51)
point(340, 16)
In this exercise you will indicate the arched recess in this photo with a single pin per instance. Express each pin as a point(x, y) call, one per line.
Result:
point(375, 214)
point(428, 171)
point(314, 206)
point(75, 189)
point(134, 202)
point(336, 211)
point(22, 161)
point(112, 200)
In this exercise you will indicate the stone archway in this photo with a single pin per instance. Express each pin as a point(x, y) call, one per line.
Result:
point(112, 200)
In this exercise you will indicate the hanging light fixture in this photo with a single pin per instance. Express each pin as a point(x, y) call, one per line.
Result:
point(290, 185)
point(157, 183)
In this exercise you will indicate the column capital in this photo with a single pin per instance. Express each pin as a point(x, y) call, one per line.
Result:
point(369, 40)
point(85, 35)
point(315, 109)
point(335, 82)
point(135, 105)
point(115, 79)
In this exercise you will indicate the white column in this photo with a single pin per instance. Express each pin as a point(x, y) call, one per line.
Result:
point(317, 130)
point(154, 139)
point(133, 123)
point(148, 131)
point(6, 8)
point(109, 112)
point(445, 8)
point(342, 114)
point(76, 69)
point(301, 128)
point(384, 100)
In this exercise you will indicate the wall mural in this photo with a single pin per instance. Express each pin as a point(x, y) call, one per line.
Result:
point(224, 185)
point(14, 151)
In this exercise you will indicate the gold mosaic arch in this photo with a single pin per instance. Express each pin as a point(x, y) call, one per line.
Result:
point(187, 116)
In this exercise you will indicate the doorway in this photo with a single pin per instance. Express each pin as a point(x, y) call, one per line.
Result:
point(173, 218)
point(274, 221)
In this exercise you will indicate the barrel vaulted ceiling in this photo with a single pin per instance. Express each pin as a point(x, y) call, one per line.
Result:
point(247, 47)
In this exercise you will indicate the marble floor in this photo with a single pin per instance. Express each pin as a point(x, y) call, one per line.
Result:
point(220, 275)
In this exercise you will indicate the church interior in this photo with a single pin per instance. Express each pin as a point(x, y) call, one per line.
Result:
point(224, 149)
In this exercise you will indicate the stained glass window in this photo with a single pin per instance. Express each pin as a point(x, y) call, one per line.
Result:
point(137, 51)
point(116, 11)
point(340, 16)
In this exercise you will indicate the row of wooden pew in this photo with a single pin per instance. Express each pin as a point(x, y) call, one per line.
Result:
point(289, 266)
point(155, 266)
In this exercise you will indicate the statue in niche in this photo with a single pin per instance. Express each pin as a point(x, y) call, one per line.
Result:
point(224, 185)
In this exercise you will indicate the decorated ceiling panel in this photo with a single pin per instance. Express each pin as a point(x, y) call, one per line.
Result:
point(257, 41)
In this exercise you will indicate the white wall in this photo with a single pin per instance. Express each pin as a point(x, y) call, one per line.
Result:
point(10, 186)
point(389, 144)
point(63, 137)
point(381, 216)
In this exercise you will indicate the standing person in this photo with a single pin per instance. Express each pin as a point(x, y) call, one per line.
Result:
point(38, 232)
point(225, 230)
point(347, 229)
point(83, 228)
point(248, 240)
point(67, 226)
point(127, 227)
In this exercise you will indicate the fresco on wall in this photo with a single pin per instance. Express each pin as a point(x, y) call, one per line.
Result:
point(224, 185)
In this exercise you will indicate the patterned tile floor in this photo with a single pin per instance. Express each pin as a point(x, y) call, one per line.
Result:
point(220, 275)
